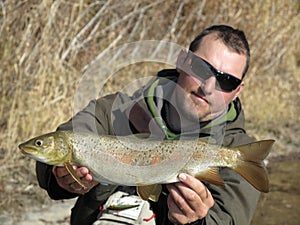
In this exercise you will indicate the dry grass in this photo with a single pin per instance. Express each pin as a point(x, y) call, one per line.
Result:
point(46, 45)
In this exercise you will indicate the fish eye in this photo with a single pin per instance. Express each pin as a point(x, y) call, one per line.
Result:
point(38, 143)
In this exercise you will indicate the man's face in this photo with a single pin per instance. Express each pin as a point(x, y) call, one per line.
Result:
point(201, 99)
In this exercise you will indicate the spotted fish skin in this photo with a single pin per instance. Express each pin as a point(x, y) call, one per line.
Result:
point(134, 161)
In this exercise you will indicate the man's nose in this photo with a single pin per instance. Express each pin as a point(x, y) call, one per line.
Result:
point(209, 85)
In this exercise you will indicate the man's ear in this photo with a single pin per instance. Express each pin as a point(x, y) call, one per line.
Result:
point(239, 90)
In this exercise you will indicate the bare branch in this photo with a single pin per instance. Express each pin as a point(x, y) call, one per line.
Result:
point(76, 39)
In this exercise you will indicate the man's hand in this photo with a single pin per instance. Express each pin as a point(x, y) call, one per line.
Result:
point(189, 200)
point(66, 181)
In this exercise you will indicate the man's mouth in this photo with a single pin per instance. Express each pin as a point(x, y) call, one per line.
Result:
point(199, 97)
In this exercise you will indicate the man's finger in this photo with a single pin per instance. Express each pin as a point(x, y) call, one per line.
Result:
point(82, 171)
point(61, 171)
point(195, 185)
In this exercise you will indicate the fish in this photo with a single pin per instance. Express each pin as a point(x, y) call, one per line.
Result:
point(147, 162)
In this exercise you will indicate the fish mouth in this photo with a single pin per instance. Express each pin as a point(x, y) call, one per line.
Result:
point(34, 153)
point(30, 152)
point(26, 150)
point(22, 149)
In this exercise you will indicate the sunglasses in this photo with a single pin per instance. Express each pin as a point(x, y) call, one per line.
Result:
point(204, 70)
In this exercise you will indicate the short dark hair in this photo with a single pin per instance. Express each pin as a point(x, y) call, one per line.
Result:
point(233, 38)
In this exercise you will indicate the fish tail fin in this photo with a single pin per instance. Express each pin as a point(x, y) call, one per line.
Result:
point(251, 166)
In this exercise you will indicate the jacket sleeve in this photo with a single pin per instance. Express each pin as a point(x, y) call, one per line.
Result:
point(91, 119)
point(48, 182)
point(236, 203)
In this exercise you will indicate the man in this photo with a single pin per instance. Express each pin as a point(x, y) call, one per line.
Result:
point(199, 98)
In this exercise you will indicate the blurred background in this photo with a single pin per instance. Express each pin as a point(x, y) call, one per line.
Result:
point(45, 47)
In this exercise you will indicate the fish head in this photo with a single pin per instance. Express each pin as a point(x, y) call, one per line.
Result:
point(51, 148)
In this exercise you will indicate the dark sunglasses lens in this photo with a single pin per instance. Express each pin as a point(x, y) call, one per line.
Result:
point(204, 70)
point(227, 82)
point(200, 68)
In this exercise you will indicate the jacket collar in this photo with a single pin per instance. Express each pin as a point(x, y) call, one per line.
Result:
point(213, 128)
point(144, 113)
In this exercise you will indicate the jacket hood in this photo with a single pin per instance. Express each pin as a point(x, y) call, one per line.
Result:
point(143, 110)
point(232, 119)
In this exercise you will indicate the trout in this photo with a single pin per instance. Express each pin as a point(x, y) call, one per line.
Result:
point(147, 162)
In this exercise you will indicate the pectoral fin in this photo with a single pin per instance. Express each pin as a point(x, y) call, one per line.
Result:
point(211, 176)
point(72, 172)
point(149, 192)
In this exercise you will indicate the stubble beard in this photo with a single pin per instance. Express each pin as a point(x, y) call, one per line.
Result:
point(189, 110)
